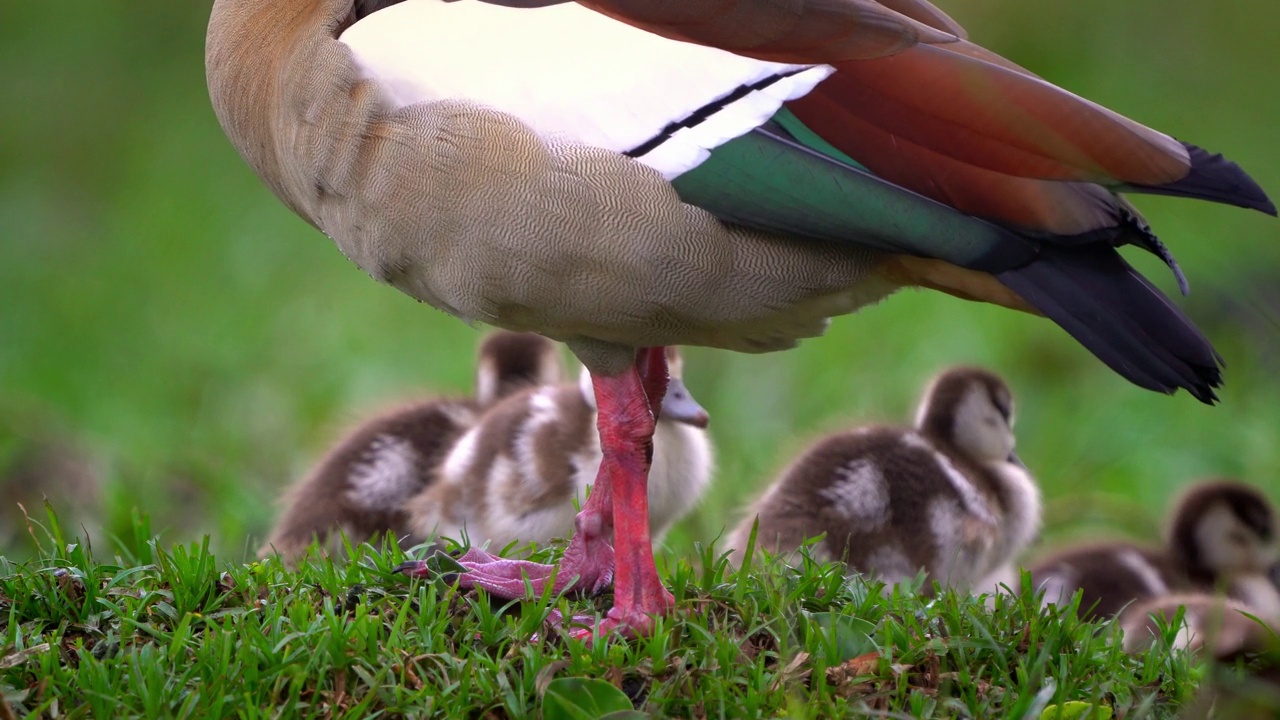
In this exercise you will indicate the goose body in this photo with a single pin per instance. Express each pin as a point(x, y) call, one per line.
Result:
point(809, 158)
point(1221, 538)
point(516, 475)
point(362, 487)
point(1225, 627)
point(1245, 683)
point(947, 496)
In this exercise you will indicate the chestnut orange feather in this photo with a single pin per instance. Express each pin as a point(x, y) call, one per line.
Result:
point(994, 117)
point(923, 11)
point(790, 31)
point(1032, 204)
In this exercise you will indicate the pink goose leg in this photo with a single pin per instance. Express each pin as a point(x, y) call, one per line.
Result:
point(619, 506)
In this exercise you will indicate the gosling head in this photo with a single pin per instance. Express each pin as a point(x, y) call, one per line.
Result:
point(1222, 530)
point(678, 405)
point(509, 361)
point(972, 410)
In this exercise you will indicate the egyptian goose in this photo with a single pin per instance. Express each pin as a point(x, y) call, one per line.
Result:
point(1221, 537)
point(1226, 625)
point(1229, 633)
point(361, 487)
point(947, 496)
point(516, 474)
point(623, 175)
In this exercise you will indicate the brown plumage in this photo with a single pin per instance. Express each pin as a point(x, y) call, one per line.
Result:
point(800, 31)
point(516, 475)
point(361, 487)
point(1221, 538)
point(1243, 682)
point(1220, 624)
point(947, 496)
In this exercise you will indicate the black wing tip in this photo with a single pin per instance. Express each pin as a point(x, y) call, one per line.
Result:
point(1210, 381)
point(1214, 178)
point(1093, 294)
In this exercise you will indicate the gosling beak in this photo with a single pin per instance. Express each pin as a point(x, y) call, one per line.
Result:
point(679, 406)
point(1015, 460)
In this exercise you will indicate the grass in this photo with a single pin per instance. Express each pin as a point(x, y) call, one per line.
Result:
point(175, 632)
point(162, 316)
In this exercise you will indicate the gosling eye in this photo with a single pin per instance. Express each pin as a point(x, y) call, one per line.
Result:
point(1003, 406)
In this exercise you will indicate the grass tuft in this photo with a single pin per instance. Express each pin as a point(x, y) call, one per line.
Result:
point(189, 636)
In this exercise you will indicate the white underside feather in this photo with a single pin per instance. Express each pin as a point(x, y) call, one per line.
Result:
point(570, 72)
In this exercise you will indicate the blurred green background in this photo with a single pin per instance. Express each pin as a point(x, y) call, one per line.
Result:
point(172, 339)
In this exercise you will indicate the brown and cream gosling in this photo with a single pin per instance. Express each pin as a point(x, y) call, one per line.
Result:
point(1226, 631)
point(947, 496)
point(362, 485)
point(517, 474)
point(1219, 624)
point(1221, 538)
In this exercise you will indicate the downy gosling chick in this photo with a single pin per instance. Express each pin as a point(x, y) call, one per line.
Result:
point(1221, 625)
point(362, 486)
point(1228, 632)
point(1222, 537)
point(517, 474)
point(947, 496)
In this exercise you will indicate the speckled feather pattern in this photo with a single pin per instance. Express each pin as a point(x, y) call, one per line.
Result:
point(470, 211)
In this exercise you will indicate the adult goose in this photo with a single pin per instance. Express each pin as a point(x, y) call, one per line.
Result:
point(624, 175)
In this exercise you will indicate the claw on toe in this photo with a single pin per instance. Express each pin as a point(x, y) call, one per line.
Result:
point(413, 568)
point(501, 577)
point(521, 579)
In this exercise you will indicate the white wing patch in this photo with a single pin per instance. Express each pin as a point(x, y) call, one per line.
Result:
point(386, 474)
point(974, 502)
point(1146, 573)
point(571, 72)
point(457, 464)
point(1022, 517)
point(859, 494)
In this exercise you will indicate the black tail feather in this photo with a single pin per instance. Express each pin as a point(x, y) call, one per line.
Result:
point(1121, 317)
point(1217, 179)
point(1129, 228)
